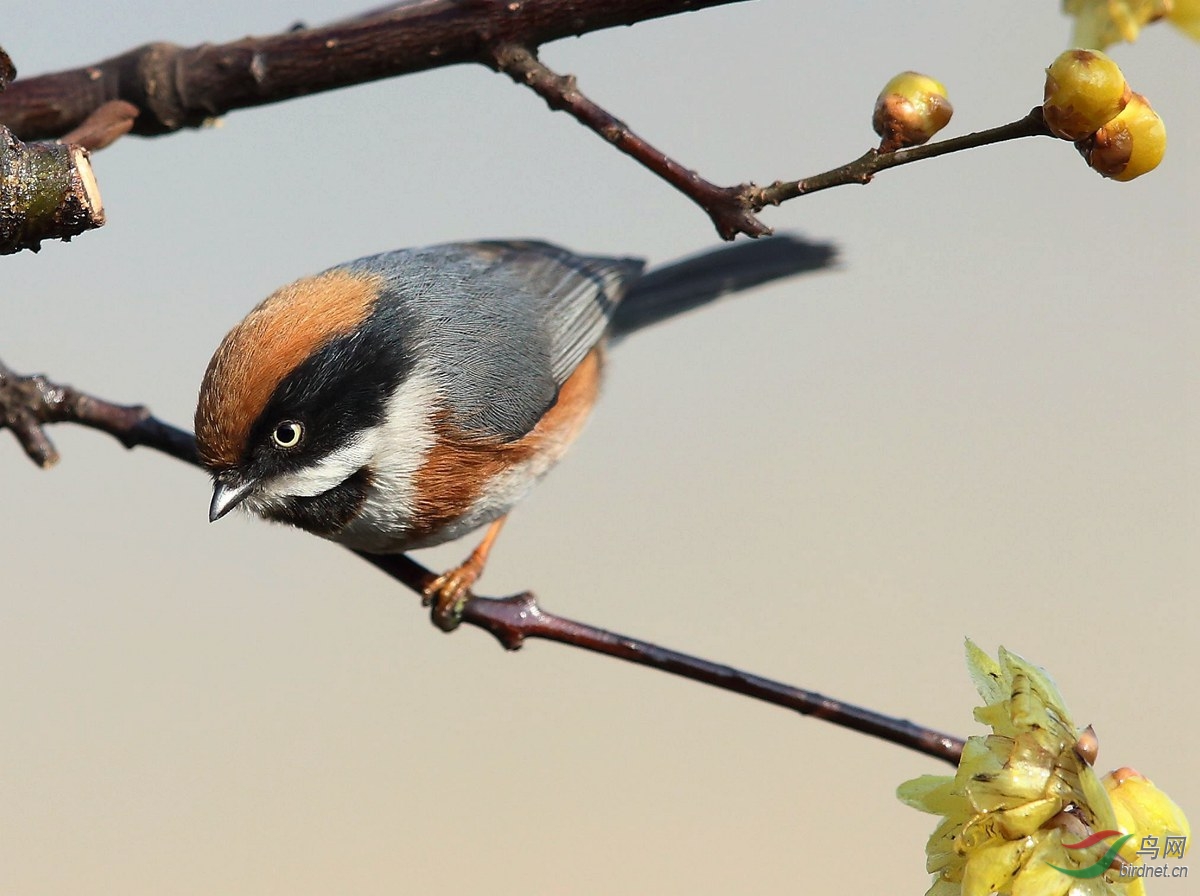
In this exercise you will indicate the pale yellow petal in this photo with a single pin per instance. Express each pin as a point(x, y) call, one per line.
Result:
point(931, 793)
point(1025, 819)
point(991, 868)
point(985, 674)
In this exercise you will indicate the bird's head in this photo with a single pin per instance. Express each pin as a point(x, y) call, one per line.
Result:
point(291, 406)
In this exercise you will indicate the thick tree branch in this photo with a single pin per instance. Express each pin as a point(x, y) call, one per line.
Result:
point(177, 87)
point(27, 403)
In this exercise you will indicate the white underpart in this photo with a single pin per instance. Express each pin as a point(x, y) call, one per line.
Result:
point(398, 448)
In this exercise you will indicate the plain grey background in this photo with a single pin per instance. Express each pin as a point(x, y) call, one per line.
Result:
point(984, 423)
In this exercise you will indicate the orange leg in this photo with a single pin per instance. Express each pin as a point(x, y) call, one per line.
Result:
point(448, 591)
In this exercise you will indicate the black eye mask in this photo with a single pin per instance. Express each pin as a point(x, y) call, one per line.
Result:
point(339, 391)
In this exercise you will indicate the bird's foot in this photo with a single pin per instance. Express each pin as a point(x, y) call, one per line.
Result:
point(447, 594)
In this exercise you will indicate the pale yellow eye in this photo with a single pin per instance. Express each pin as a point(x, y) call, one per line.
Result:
point(288, 434)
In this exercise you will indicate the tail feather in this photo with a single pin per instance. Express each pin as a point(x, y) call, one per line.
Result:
point(687, 284)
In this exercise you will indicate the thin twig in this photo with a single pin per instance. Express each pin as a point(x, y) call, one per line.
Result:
point(726, 206)
point(732, 210)
point(104, 126)
point(866, 166)
point(26, 403)
point(513, 620)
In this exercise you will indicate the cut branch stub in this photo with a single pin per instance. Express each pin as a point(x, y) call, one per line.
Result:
point(47, 191)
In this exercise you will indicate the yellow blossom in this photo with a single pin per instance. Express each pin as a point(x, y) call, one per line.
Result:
point(1185, 15)
point(1099, 23)
point(1025, 797)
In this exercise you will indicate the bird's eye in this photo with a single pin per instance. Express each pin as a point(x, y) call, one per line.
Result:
point(288, 434)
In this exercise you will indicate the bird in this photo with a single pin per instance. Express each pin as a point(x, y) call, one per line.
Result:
point(406, 399)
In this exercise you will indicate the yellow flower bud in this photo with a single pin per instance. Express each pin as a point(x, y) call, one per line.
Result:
point(1130, 145)
point(1085, 90)
point(1185, 15)
point(910, 109)
point(1142, 809)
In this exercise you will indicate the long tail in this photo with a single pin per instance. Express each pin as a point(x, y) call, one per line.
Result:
point(687, 284)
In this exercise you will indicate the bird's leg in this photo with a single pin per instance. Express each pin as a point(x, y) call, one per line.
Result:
point(449, 590)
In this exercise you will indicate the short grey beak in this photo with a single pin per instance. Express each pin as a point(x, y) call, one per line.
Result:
point(226, 497)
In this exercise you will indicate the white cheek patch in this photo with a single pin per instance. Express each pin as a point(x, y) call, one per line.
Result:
point(329, 472)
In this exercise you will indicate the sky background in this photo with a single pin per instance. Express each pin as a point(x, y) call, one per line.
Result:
point(983, 424)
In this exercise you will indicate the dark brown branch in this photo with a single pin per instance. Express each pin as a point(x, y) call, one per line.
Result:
point(726, 206)
point(26, 403)
point(177, 87)
point(47, 192)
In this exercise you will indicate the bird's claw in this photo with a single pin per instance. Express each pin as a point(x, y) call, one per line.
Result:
point(447, 594)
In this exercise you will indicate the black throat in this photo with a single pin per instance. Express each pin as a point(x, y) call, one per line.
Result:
point(328, 513)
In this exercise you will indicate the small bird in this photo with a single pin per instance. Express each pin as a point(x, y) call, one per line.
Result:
point(403, 400)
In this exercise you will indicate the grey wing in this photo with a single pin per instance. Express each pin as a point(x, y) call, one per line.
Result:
point(575, 295)
point(506, 322)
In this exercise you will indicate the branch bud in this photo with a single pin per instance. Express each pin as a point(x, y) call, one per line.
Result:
point(1130, 145)
point(911, 108)
point(1085, 90)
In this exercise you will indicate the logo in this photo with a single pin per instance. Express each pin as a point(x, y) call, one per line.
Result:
point(1172, 847)
point(1103, 863)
